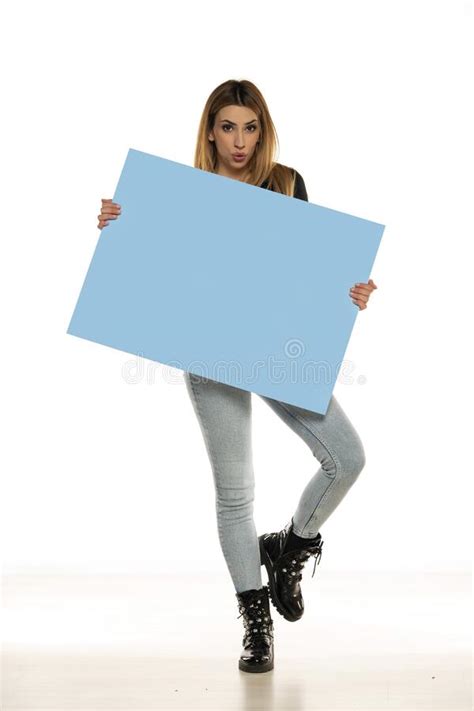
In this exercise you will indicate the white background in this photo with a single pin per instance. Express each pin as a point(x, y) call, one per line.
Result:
point(372, 104)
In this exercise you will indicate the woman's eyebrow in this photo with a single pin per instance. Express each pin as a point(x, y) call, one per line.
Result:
point(234, 124)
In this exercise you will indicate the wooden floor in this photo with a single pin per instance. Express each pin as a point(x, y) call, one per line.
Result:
point(369, 641)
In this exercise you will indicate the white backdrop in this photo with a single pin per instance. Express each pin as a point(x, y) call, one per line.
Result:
point(103, 462)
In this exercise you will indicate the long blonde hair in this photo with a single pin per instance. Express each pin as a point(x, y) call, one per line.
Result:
point(263, 166)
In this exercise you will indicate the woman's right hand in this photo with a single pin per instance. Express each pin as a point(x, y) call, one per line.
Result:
point(109, 211)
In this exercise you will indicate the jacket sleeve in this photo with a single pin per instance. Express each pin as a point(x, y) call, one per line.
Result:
point(300, 188)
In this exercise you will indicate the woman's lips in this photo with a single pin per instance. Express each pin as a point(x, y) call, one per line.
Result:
point(239, 157)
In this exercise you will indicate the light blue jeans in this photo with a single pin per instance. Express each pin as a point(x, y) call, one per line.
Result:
point(224, 415)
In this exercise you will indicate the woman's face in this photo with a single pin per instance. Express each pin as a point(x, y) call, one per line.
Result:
point(236, 130)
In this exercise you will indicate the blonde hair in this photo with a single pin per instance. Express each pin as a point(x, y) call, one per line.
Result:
point(263, 165)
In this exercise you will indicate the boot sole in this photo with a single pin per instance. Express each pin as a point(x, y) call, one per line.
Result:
point(267, 562)
point(256, 669)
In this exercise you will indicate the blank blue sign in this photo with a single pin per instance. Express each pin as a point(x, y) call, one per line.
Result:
point(226, 280)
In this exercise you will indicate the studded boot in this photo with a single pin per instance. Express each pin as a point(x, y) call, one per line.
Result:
point(257, 652)
point(284, 568)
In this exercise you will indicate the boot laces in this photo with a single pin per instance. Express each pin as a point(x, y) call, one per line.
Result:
point(294, 561)
point(257, 623)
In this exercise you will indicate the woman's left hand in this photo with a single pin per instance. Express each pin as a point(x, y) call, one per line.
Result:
point(360, 293)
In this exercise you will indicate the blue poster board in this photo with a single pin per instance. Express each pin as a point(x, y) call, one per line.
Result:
point(227, 280)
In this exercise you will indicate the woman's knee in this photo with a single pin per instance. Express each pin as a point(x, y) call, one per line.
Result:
point(352, 458)
point(235, 504)
point(347, 459)
point(235, 498)
point(235, 485)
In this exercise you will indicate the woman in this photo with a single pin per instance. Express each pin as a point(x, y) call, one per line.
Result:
point(237, 139)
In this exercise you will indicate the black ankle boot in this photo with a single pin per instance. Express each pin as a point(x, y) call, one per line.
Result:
point(284, 565)
point(257, 652)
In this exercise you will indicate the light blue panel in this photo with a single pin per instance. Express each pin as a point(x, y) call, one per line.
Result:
point(228, 280)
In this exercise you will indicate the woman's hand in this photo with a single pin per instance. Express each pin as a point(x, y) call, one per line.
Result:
point(109, 211)
point(360, 293)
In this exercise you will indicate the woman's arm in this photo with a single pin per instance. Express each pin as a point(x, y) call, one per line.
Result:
point(300, 188)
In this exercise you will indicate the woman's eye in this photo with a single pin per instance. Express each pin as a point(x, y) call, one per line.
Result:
point(225, 126)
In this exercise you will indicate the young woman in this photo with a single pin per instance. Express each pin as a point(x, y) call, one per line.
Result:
point(237, 139)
